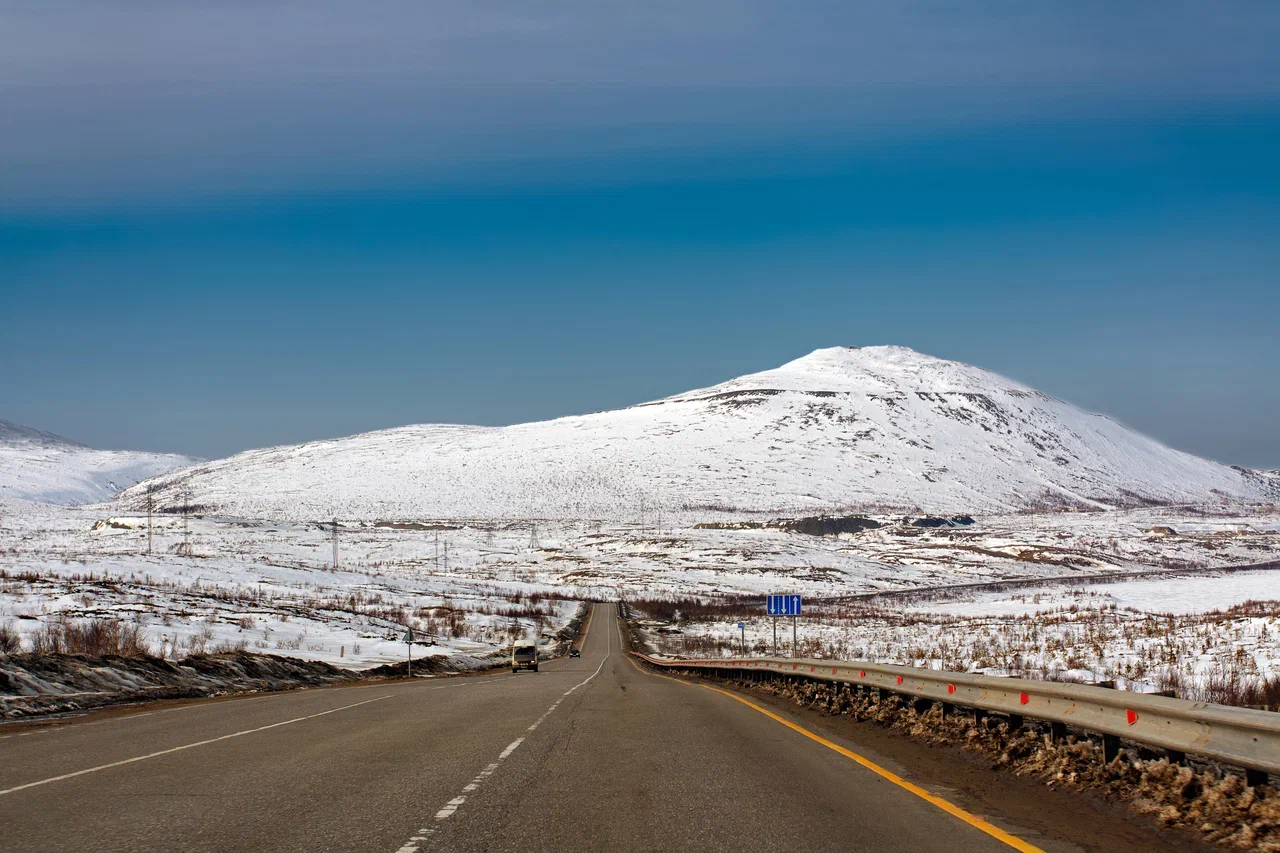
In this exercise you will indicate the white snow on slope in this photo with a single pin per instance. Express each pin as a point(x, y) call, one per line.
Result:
point(1176, 595)
point(43, 467)
point(846, 428)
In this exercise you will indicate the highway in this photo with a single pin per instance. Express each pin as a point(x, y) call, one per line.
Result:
point(589, 754)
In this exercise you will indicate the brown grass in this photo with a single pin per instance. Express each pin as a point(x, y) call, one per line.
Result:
point(92, 637)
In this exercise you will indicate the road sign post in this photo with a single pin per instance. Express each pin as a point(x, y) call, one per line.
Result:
point(784, 605)
point(742, 629)
point(408, 638)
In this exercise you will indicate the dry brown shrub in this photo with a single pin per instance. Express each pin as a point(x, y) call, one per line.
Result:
point(10, 640)
point(91, 637)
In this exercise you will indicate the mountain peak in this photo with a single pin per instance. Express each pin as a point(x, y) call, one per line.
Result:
point(838, 358)
point(881, 426)
point(877, 369)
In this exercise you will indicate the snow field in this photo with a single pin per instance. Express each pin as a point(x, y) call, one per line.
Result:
point(270, 586)
point(261, 589)
point(1125, 631)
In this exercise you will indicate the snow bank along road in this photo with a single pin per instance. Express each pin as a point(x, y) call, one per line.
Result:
point(589, 754)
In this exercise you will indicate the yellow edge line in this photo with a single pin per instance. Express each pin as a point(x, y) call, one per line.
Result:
point(950, 808)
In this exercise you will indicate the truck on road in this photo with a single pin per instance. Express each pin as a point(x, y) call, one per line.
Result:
point(524, 657)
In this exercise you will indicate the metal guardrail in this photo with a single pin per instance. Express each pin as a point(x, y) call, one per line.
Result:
point(1241, 737)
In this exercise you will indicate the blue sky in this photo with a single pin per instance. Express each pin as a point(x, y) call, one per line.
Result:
point(264, 223)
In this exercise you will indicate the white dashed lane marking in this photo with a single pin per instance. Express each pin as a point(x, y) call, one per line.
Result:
point(414, 844)
point(57, 727)
point(174, 749)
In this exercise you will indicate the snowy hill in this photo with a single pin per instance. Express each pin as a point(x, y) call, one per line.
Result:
point(840, 427)
point(41, 466)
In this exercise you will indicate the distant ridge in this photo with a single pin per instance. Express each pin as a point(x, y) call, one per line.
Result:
point(11, 433)
point(40, 466)
point(844, 427)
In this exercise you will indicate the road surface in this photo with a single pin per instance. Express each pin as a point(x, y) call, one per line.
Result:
point(590, 754)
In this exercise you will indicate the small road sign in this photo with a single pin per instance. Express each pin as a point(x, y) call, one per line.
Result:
point(783, 605)
point(408, 635)
point(742, 624)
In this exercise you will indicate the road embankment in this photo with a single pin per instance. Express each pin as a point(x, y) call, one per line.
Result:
point(40, 685)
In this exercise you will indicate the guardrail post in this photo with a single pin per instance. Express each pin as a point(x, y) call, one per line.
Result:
point(1110, 748)
point(979, 715)
point(1254, 778)
point(1015, 722)
point(947, 709)
point(881, 694)
point(1057, 732)
point(922, 705)
point(1175, 756)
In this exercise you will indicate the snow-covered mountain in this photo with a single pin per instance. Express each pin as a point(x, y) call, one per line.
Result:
point(838, 428)
point(40, 466)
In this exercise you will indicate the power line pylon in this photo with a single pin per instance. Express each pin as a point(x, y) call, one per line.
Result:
point(149, 506)
point(186, 523)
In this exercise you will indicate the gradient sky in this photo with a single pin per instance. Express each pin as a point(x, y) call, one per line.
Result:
point(231, 225)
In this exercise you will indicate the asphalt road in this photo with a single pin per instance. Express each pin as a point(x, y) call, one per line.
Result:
point(589, 754)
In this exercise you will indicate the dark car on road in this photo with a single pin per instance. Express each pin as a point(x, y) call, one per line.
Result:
point(575, 653)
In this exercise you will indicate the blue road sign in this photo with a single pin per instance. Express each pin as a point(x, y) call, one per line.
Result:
point(742, 624)
point(783, 605)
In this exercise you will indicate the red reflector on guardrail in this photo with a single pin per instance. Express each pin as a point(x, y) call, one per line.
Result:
point(899, 679)
point(862, 673)
point(812, 669)
point(1131, 716)
point(951, 688)
point(833, 670)
point(1024, 698)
